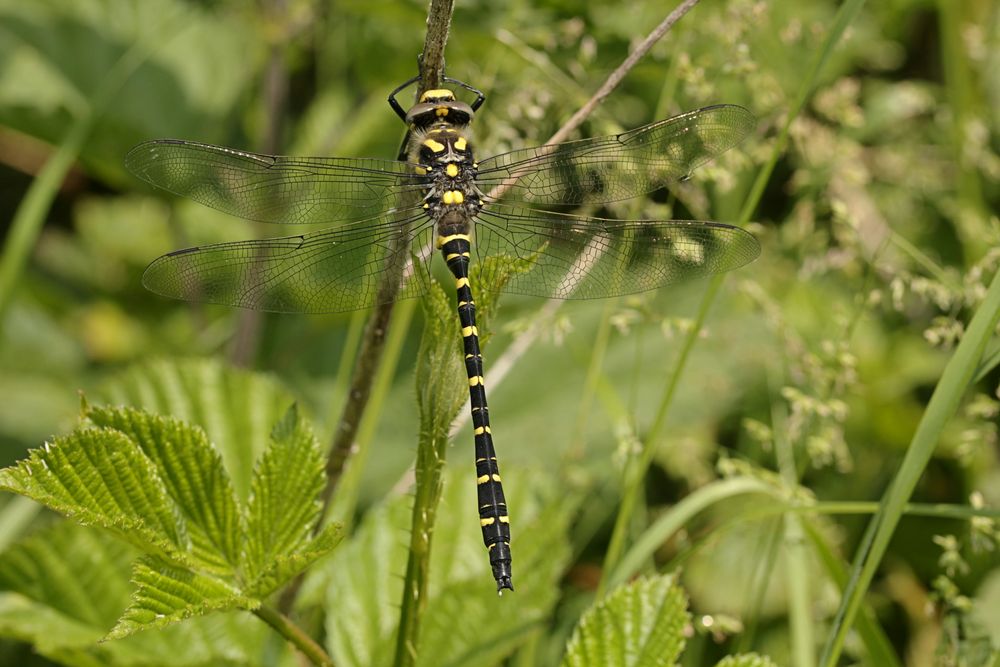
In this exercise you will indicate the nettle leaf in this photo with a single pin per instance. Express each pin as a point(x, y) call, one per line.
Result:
point(746, 660)
point(283, 567)
point(101, 477)
point(494, 271)
point(638, 625)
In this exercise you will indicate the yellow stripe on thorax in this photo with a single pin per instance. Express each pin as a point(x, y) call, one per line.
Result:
point(435, 146)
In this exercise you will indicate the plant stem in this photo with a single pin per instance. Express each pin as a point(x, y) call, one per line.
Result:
point(373, 342)
point(633, 485)
point(294, 634)
point(524, 342)
point(944, 402)
point(801, 627)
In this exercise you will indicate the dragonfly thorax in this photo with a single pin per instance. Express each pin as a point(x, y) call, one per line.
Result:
point(452, 199)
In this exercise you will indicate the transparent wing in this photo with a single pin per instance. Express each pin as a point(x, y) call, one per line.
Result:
point(323, 272)
point(592, 258)
point(618, 167)
point(272, 188)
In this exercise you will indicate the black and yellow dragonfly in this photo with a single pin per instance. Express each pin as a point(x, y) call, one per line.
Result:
point(380, 211)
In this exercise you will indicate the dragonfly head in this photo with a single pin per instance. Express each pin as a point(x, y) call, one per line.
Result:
point(439, 107)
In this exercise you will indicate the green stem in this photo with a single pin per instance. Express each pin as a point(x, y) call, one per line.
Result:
point(845, 15)
point(431, 454)
point(944, 402)
point(294, 634)
point(598, 352)
point(800, 615)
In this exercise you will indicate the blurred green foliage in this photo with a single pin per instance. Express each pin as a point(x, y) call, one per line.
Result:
point(878, 227)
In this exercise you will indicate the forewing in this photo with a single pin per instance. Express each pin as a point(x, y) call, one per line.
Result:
point(272, 188)
point(329, 271)
point(618, 167)
point(591, 258)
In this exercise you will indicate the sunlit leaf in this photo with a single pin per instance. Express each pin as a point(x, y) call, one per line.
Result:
point(101, 477)
point(158, 483)
point(193, 475)
point(167, 594)
point(746, 660)
point(637, 625)
point(237, 409)
point(62, 589)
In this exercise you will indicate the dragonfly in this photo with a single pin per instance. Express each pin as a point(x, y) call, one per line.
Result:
point(511, 205)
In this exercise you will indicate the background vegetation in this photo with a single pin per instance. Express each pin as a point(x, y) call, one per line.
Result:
point(805, 386)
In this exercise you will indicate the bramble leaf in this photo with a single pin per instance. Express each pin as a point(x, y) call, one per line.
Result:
point(159, 484)
point(638, 625)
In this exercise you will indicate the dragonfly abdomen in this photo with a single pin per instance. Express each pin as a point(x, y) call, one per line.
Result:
point(493, 517)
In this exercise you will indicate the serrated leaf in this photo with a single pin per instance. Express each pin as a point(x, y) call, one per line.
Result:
point(282, 567)
point(101, 477)
point(65, 586)
point(284, 500)
point(494, 271)
point(236, 408)
point(167, 594)
point(150, 478)
point(638, 625)
point(194, 477)
point(746, 660)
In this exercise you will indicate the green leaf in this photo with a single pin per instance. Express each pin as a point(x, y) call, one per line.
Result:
point(441, 383)
point(465, 623)
point(236, 408)
point(637, 625)
point(167, 594)
point(82, 593)
point(155, 481)
point(495, 271)
point(284, 495)
point(746, 660)
point(197, 58)
point(283, 567)
point(193, 475)
point(365, 587)
point(64, 587)
point(101, 477)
